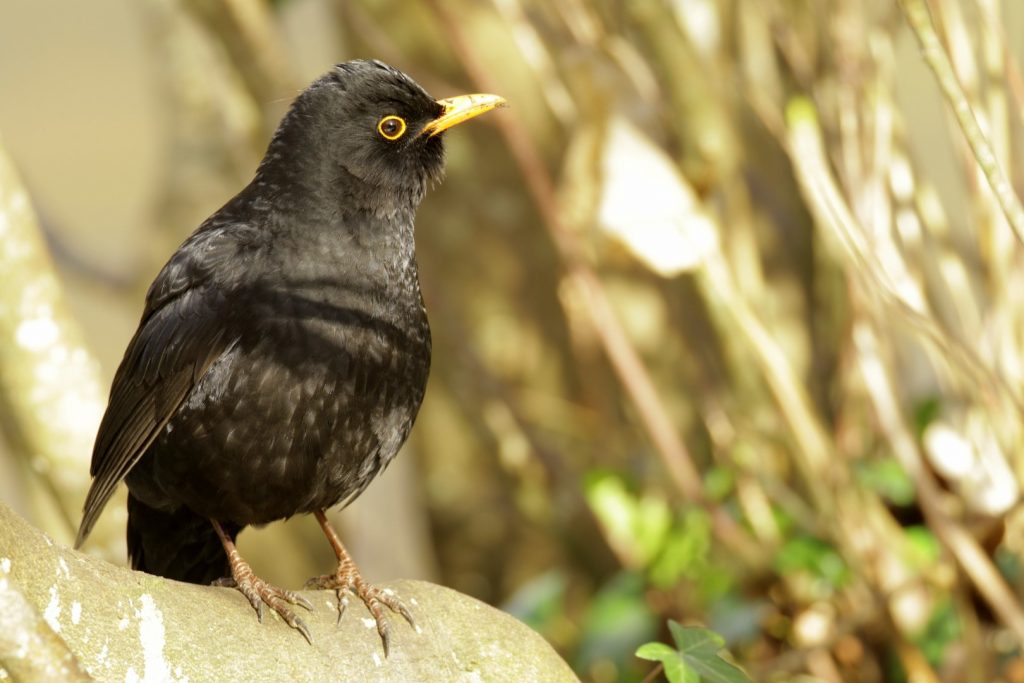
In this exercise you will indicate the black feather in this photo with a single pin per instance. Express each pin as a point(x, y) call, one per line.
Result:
point(284, 349)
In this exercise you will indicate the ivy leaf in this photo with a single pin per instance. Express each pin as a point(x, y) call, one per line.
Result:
point(696, 658)
point(675, 669)
point(699, 648)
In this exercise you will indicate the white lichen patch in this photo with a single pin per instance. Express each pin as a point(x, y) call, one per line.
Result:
point(152, 635)
point(369, 623)
point(412, 601)
point(62, 568)
point(130, 676)
point(103, 657)
point(376, 659)
point(52, 612)
point(123, 624)
point(76, 612)
point(5, 565)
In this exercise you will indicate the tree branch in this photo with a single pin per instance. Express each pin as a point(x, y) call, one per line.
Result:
point(920, 21)
point(50, 395)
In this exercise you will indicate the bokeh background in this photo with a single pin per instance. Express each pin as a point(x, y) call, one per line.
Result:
point(727, 317)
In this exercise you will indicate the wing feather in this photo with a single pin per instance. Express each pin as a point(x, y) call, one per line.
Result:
point(183, 331)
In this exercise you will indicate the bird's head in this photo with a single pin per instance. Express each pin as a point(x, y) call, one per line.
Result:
point(371, 121)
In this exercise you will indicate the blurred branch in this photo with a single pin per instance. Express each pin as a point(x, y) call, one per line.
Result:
point(580, 276)
point(831, 211)
point(539, 58)
point(49, 382)
point(975, 562)
point(919, 19)
point(816, 450)
point(896, 290)
point(359, 22)
point(215, 128)
point(251, 37)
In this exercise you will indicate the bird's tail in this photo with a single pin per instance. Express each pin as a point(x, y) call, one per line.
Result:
point(179, 545)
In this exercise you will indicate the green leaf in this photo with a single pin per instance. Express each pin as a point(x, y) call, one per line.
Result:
point(655, 652)
point(696, 659)
point(676, 671)
point(814, 556)
point(719, 482)
point(672, 662)
point(615, 506)
point(716, 670)
point(684, 550)
point(925, 413)
point(693, 639)
point(888, 478)
point(923, 548)
point(943, 629)
point(700, 648)
point(651, 524)
point(636, 525)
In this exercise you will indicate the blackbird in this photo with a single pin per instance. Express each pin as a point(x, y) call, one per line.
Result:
point(284, 348)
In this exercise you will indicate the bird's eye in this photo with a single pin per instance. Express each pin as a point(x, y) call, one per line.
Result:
point(391, 127)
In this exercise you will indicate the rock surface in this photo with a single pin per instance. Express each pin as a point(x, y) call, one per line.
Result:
point(124, 625)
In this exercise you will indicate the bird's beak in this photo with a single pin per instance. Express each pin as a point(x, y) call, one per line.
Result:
point(461, 108)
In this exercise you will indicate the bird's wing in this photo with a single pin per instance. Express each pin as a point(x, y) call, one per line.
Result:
point(181, 334)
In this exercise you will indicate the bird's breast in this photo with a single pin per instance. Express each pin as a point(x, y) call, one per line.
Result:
point(314, 398)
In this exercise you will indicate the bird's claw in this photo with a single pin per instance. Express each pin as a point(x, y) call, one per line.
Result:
point(261, 594)
point(374, 598)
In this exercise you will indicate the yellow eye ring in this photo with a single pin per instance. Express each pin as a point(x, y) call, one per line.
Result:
point(391, 127)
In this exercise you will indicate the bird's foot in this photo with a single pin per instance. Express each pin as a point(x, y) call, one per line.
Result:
point(259, 593)
point(346, 579)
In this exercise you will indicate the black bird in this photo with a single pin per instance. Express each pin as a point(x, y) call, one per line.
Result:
point(284, 348)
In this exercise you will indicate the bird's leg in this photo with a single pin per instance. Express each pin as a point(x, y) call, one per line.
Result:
point(258, 591)
point(347, 578)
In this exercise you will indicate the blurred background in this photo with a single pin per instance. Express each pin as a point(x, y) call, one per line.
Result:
point(724, 311)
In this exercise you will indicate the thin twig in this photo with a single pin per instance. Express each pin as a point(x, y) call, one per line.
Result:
point(931, 48)
point(806, 151)
point(653, 673)
point(830, 210)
